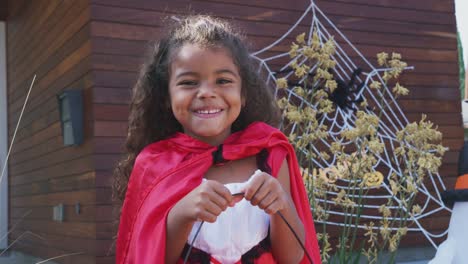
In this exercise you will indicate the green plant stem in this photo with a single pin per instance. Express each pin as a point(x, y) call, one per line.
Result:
point(358, 218)
point(359, 203)
point(345, 254)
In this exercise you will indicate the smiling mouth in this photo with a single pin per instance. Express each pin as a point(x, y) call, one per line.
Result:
point(207, 113)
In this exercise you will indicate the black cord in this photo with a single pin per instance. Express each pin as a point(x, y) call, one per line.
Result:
point(297, 237)
point(279, 213)
point(193, 240)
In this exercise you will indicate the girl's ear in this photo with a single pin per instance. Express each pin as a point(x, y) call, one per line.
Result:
point(243, 101)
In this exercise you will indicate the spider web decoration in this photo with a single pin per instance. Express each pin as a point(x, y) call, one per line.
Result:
point(348, 59)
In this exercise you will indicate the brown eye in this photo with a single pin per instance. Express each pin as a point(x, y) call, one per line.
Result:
point(223, 81)
point(187, 83)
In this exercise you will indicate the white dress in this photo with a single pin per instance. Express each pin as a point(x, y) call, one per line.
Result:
point(236, 230)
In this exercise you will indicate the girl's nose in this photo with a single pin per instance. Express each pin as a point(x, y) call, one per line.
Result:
point(206, 90)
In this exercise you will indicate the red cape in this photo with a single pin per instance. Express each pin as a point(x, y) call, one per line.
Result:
point(167, 170)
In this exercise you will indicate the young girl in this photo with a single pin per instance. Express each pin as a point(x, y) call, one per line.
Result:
point(201, 148)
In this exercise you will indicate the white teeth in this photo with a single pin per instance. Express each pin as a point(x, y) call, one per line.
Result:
point(213, 111)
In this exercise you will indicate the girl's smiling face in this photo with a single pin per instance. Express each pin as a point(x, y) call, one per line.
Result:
point(205, 92)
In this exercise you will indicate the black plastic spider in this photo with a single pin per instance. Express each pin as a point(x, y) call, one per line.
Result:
point(345, 94)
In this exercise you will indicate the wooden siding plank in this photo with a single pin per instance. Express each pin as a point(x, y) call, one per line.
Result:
point(15, 7)
point(104, 95)
point(36, 26)
point(84, 197)
point(52, 61)
point(116, 63)
point(368, 51)
point(387, 12)
point(41, 119)
point(110, 128)
point(104, 196)
point(45, 81)
point(68, 229)
point(434, 80)
point(451, 157)
point(137, 32)
point(107, 259)
point(76, 166)
point(114, 79)
point(60, 184)
point(53, 41)
point(106, 161)
point(267, 15)
point(437, 118)
point(122, 62)
point(38, 119)
point(87, 213)
point(105, 112)
point(53, 130)
point(123, 31)
point(3, 10)
point(47, 146)
point(109, 145)
point(429, 106)
point(231, 9)
point(104, 177)
point(418, 57)
point(131, 63)
point(70, 76)
point(89, 246)
point(106, 230)
point(120, 46)
point(23, 11)
point(33, 246)
point(430, 5)
point(54, 157)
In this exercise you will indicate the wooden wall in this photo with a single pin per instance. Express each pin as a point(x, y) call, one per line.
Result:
point(49, 39)
point(423, 31)
point(3, 10)
point(98, 46)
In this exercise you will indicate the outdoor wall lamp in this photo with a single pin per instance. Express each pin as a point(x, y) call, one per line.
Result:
point(71, 116)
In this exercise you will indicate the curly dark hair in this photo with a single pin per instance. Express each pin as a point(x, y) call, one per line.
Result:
point(150, 116)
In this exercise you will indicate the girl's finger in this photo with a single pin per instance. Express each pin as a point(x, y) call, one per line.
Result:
point(267, 200)
point(236, 198)
point(207, 217)
point(213, 208)
point(262, 191)
point(252, 187)
point(220, 200)
point(274, 207)
point(223, 192)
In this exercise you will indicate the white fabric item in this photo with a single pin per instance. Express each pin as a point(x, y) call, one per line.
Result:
point(454, 249)
point(236, 230)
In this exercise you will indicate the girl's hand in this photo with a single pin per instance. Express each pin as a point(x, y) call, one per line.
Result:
point(266, 191)
point(206, 202)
